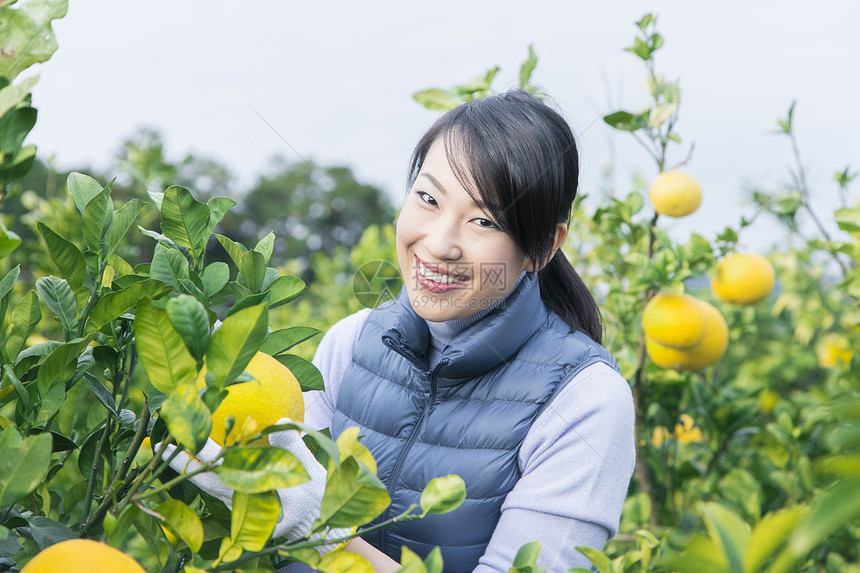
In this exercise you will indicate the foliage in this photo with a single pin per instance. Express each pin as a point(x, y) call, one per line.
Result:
point(77, 410)
point(481, 86)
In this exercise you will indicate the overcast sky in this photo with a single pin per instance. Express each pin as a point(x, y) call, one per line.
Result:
point(234, 81)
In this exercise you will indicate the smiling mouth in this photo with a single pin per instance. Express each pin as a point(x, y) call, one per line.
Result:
point(438, 277)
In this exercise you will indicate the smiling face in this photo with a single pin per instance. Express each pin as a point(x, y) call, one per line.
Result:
point(454, 259)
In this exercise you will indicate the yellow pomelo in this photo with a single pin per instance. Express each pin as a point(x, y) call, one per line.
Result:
point(743, 279)
point(710, 349)
point(274, 394)
point(674, 320)
point(675, 193)
point(81, 556)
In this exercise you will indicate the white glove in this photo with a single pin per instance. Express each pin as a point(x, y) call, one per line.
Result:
point(300, 504)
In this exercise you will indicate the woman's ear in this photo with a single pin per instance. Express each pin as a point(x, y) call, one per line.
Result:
point(558, 240)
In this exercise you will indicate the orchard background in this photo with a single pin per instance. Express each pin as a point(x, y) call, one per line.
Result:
point(111, 279)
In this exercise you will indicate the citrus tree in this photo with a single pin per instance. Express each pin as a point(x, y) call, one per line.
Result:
point(135, 366)
point(741, 364)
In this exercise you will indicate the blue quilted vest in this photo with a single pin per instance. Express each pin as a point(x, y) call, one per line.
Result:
point(467, 416)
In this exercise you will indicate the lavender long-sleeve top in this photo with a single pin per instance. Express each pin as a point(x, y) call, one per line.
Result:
point(576, 460)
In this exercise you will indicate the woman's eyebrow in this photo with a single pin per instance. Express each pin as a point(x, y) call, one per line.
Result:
point(478, 203)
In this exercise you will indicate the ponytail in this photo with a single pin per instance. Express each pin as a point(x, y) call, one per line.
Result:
point(565, 293)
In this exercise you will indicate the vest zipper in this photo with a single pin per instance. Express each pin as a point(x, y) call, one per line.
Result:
point(398, 465)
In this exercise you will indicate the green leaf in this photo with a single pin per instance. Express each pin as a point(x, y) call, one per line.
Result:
point(6, 286)
point(11, 96)
point(102, 394)
point(343, 562)
point(27, 35)
point(623, 120)
point(660, 113)
point(305, 372)
point(9, 241)
point(410, 562)
point(285, 289)
point(182, 520)
point(116, 303)
point(253, 269)
point(215, 277)
point(187, 417)
point(353, 496)
point(645, 21)
point(188, 317)
point(234, 250)
point(25, 316)
point(598, 558)
point(168, 266)
point(640, 48)
point(23, 464)
point(82, 189)
point(61, 364)
point(248, 301)
point(47, 532)
point(67, 257)
point(161, 350)
point(834, 508)
point(259, 469)
point(183, 219)
point(265, 246)
point(443, 494)
point(349, 445)
point(729, 532)
point(123, 219)
point(235, 343)
point(527, 68)
point(526, 558)
point(253, 518)
point(770, 534)
point(58, 296)
point(282, 340)
point(96, 219)
point(436, 100)
point(23, 395)
point(218, 207)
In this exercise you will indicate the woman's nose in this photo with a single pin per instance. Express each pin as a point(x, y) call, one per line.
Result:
point(442, 241)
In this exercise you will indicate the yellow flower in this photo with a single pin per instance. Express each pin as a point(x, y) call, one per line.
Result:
point(686, 430)
point(660, 434)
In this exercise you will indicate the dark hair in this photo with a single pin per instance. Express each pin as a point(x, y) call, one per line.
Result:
point(518, 155)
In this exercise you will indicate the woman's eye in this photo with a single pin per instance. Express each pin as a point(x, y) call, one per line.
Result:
point(486, 223)
point(426, 197)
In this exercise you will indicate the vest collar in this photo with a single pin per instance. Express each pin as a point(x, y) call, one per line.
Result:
point(477, 349)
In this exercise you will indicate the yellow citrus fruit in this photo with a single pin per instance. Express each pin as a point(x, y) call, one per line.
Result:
point(81, 556)
point(743, 279)
point(674, 320)
point(833, 349)
point(705, 353)
point(273, 394)
point(675, 193)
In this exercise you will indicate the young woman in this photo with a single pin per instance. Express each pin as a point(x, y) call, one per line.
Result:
point(487, 365)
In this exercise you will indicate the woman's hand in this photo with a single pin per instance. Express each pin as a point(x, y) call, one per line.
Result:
point(300, 504)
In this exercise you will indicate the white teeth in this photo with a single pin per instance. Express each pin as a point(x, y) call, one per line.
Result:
point(438, 278)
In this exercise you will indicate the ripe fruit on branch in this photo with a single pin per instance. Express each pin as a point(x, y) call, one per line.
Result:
point(81, 556)
point(674, 320)
point(743, 279)
point(706, 352)
point(675, 193)
point(273, 394)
